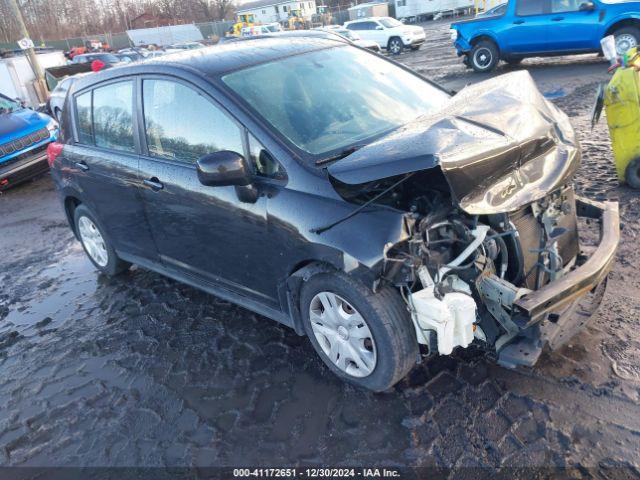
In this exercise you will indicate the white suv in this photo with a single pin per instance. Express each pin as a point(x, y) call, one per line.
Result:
point(388, 32)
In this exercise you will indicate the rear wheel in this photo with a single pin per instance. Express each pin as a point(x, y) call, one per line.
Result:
point(484, 56)
point(395, 46)
point(626, 38)
point(96, 244)
point(365, 338)
point(632, 173)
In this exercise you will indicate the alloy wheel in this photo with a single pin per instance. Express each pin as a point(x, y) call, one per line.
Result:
point(482, 58)
point(93, 242)
point(624, 42)
point(343, 334)
point(395, 46)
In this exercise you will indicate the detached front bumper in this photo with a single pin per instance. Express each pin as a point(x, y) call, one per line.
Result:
point(553, 314)
point(23, 167)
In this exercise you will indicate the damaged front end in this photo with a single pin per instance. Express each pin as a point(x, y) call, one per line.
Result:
point(492, 252)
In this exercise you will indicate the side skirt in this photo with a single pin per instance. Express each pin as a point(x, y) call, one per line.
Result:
point(210, 287)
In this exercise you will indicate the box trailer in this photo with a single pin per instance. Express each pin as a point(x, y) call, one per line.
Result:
point(369, 9)
point(407, 9)
point(17, 77)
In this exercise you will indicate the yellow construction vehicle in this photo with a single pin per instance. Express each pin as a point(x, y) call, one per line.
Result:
point(243, 20)
point(621, 101)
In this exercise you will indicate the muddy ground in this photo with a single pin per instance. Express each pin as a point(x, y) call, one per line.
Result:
point(140, 370)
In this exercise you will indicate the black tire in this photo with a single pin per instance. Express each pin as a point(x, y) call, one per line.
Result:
point(395, 46)
point(114, 264)
point(514, 61)
point(415, 47)
point(632, 173)
point(387, 318)
point(484, 56)
point(629, 36)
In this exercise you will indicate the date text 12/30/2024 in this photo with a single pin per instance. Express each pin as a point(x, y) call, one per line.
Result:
point(316, 472)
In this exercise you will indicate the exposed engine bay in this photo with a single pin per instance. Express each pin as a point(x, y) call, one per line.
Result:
point(460, 274)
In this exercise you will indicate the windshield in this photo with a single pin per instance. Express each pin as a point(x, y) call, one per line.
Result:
point(7, 105)
point(107, 57)
point(327, 100)
point(348, 34)
point(390, 22)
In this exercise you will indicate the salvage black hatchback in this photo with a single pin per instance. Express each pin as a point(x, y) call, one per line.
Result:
point(341, 194)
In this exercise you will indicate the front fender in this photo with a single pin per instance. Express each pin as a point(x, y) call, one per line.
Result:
point(620, 18)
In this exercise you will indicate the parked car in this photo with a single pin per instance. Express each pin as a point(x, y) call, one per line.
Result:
point(494, 11)
point(24, 136)
point(388, 32)
point(109, 59)
point(352, 37)
point(341, 194)
point(186, 46)
point(129, 57)
point(55, 102)
point(533, 28)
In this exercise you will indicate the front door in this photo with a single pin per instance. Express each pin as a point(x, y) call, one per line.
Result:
point(213, 233)
point(573, 29)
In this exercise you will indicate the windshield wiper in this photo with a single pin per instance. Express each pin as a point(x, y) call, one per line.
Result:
point(338, 156)
point(320, 230)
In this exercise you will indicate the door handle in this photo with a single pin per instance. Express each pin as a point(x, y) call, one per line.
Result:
point(557, 19)
point(154, 184)
point(518, 22)
point(82, 165)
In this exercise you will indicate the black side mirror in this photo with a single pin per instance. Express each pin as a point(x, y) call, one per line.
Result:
point(224, 168)
point(587, 6)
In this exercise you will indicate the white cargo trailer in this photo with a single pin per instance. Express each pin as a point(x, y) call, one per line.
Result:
point(418, 8)
point(17, 77)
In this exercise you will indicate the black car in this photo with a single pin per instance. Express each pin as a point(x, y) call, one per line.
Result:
point(341, 194)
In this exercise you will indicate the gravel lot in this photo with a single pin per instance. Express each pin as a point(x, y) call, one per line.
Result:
point(141, 370)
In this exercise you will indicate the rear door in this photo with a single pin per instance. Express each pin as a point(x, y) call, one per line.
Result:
point(104, 161)
point(210, 233)
point(527, 32)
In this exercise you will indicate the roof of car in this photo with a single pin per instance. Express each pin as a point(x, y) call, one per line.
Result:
point(222, 58)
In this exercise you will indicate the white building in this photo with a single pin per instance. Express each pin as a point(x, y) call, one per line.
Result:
point(269, 11)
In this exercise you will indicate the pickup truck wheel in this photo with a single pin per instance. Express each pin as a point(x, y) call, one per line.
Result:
point(365, 338)
point(95, 243)
point(626, 38)
point(395, 46)
point(484, 56)
point(632, 173)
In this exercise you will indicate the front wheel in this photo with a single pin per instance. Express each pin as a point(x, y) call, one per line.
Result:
point(395, 46)
point(626, 38)
point(365, 338)
point(96, 244)
point(484, 56)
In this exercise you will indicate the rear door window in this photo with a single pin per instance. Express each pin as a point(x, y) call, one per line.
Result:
point(183, 125)
point(113, 116)
point(529, 7)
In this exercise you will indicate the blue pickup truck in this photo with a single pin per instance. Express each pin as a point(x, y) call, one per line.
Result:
point(534, 28)
point(24, 137)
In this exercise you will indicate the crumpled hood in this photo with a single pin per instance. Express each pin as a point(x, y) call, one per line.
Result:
point(499, 143)
point(20, 123)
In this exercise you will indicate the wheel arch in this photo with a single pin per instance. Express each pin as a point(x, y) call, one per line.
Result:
point(71, 202)
point(617, 23)
point(484, 37)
